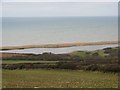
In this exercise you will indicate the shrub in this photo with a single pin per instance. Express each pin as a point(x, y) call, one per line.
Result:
point(67, 65)
point(111, 68)
point(95, 54)
point(93, 67)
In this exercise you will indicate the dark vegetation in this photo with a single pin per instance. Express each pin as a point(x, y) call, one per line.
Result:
point(105, 60)
point(44, 56)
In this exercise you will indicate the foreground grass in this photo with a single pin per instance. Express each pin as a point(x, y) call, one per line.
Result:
point(58, 79)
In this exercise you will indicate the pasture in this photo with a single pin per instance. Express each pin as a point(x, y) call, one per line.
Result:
point(42, 78)
point(27, 61)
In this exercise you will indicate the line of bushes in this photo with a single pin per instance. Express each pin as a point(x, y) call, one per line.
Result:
point(65, 65)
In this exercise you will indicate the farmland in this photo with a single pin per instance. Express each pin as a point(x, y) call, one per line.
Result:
point(28, 61)
point(58, 79)
point(79, 69)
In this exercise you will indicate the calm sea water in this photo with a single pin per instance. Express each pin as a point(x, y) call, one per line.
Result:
point(49, 30)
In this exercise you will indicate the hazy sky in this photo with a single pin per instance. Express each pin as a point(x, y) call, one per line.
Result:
point(60, 0)
point(20, 8)
point(51, 9)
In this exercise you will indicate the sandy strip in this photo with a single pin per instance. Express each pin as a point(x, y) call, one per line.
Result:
point(58, 45)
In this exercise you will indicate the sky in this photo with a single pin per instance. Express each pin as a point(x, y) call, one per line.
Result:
point(60, 0)
point(58, 9)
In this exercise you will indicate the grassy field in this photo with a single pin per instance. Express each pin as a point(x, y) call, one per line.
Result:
point(84, 54)
point(26, 61)
point(25, 77)
point(58, 78)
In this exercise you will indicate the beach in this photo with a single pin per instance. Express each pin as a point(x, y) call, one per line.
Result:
point(58, 45)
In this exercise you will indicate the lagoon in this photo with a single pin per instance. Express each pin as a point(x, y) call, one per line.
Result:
point(61, 50)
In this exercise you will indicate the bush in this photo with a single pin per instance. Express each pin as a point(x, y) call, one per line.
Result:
point(111, 68)
point(67, 65)
point(93, 67)
point(95, 54)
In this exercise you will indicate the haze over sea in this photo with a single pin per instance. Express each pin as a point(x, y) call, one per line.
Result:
point(52, 30)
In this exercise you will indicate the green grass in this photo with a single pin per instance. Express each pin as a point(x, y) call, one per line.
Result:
point(80, 53)
point(100, 53)
point(26, 61)
point(84, 54)
point(58, 79)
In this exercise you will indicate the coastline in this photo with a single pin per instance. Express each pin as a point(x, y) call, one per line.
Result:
point(58, 45)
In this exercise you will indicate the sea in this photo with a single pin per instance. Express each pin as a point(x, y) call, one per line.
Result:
point(54, 30)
